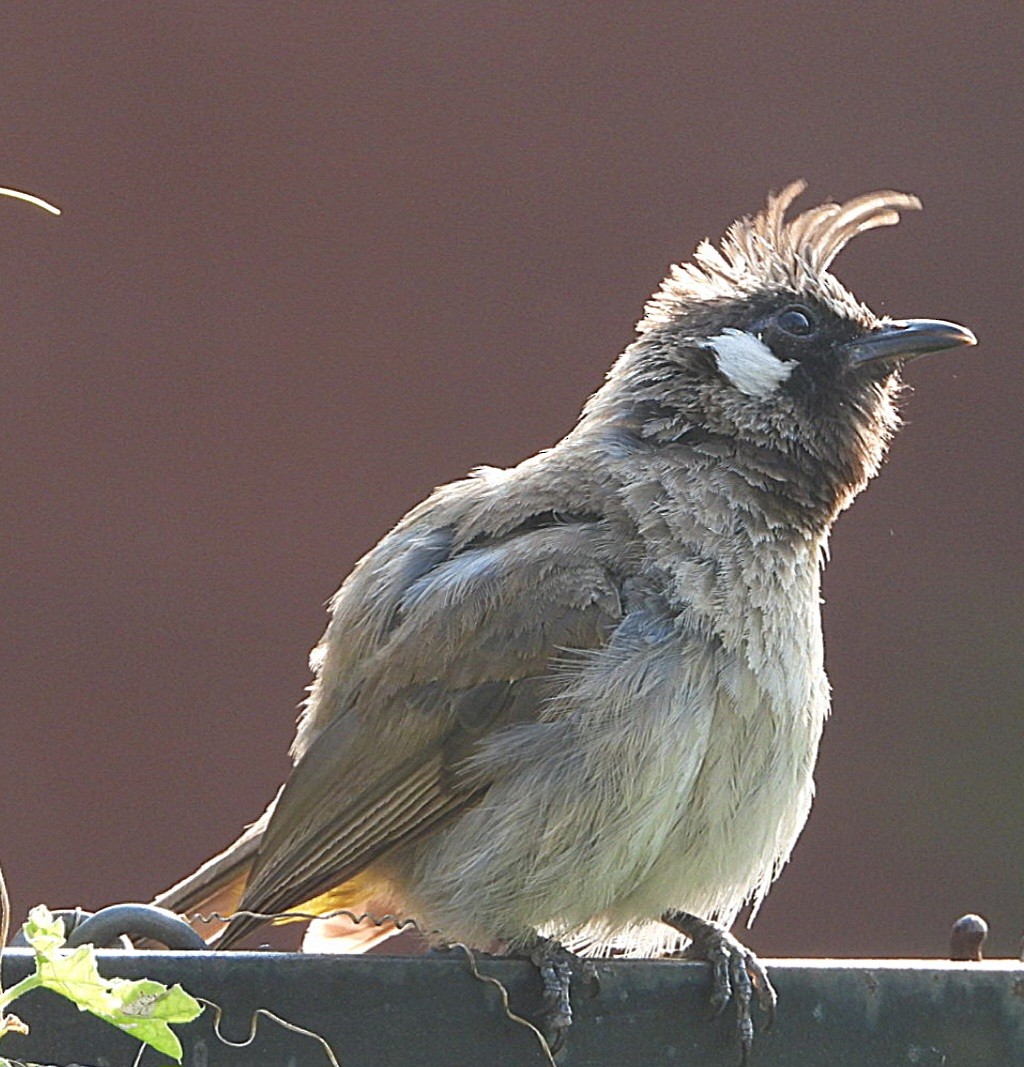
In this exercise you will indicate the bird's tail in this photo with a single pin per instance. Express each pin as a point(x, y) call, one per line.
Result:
point(219, 884)
point(351, 918)
point(360, 916)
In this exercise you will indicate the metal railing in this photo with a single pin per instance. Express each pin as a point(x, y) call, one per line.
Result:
point(425, 1011)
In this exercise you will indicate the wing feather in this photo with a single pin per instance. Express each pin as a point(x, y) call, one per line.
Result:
point(472, 644)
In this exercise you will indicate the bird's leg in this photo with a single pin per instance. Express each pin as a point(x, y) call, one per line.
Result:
point(736, 973)
point(554, 962)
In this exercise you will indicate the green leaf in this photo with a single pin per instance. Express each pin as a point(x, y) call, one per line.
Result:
point(44, 932)
point(73, 974)
point(147, 1009)
point(143, 1008)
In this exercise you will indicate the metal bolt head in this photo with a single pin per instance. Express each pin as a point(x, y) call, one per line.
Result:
point(967, 937)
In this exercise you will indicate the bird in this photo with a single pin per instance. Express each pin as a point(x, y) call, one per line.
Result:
point(577, 703)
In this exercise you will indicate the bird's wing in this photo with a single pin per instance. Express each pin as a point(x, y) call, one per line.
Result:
point(473, 642)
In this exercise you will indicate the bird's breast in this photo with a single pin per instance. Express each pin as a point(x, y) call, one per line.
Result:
point(669, 772)
point(727, 770)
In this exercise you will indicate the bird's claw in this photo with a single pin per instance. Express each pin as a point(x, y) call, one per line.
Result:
point(555, 966)
point(737, 976)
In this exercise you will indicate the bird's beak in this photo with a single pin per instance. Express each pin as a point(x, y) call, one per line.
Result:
point(906, 340)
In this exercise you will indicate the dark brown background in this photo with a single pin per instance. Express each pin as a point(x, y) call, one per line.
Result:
point(317, 258)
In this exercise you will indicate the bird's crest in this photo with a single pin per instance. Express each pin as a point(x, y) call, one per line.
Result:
point(770, 252)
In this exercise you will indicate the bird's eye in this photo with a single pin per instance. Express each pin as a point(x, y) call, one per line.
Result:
point(796, 321)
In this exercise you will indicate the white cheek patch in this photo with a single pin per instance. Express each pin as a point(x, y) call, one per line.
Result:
point(749, 363)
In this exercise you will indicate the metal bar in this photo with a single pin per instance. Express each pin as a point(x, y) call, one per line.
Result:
point(433, 1012)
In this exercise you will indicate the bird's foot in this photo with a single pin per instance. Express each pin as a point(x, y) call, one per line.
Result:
point(736, 973)
point(554, 961)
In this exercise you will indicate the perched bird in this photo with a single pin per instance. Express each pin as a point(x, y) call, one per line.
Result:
point(582, 698)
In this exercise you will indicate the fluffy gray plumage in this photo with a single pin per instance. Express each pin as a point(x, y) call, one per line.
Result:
point(580, 693)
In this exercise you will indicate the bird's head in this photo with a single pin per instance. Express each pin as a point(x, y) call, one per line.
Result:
point(754, 347)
